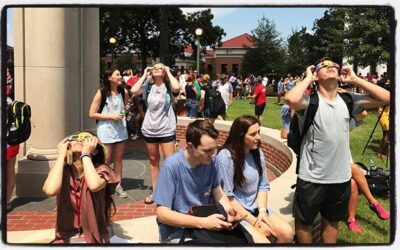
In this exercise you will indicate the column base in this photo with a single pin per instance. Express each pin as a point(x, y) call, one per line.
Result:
point(30, 177)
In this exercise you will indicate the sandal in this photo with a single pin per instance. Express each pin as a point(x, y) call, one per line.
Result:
point(149, 199)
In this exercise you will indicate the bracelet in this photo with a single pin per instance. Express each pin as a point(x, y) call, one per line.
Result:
point(86, 154)
point(262, 209)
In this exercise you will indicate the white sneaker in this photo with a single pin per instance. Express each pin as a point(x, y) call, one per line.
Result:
point(134, 137)
point(120, 192)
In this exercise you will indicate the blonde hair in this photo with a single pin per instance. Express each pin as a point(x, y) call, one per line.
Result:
point(206, 77)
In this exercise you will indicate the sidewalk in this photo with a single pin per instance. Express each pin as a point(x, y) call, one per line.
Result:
point(32, 220)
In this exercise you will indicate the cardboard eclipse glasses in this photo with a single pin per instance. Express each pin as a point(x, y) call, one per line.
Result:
point(325, 64)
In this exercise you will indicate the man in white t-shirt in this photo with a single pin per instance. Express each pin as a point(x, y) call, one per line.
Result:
point(226, 91)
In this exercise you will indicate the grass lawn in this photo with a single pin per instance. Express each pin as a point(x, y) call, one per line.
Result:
point(374, 229)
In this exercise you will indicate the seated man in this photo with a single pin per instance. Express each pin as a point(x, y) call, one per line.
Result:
point(189, 178)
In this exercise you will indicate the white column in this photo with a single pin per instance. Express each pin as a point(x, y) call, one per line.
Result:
point(56, 57)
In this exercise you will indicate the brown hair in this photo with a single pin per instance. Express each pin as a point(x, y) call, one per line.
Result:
point(195, 130)
point(235, 144)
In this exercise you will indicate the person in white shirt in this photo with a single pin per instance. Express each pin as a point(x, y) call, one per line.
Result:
point(226, 91)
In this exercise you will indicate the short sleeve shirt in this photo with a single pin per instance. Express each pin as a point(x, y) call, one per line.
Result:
point(261, 94)
point(180, 186)
point(325, 150)
point(246, 195)
point(159, 122)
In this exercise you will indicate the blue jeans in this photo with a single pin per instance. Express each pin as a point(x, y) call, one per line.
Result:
point(191, 106)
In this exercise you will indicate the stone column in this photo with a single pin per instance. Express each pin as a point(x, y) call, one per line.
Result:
point(57, 73)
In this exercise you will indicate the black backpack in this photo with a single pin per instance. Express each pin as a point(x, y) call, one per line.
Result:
point(378, 180)
point(103, 92)
point(216, 102)
point(295, 138)
point(18, 122)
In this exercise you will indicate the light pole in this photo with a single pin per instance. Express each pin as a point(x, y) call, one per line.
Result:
point(112, 41)
point(198, 32)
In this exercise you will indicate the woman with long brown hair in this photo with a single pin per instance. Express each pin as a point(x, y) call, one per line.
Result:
point(244, 180)
point(83, 184)
point(108, 108)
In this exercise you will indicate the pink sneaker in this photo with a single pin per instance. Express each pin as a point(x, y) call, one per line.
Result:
point(380, 211)
point(353, 226)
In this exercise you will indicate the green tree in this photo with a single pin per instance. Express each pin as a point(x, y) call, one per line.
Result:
point(368, 35)
point(268, 56)
point(300, 51)
point(211, 36)
point(155, 31)
point(329, 35)
point(135, 29)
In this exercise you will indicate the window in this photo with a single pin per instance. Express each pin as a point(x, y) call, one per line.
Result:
point(235, 68)
point(224, 68)
point(210, 68)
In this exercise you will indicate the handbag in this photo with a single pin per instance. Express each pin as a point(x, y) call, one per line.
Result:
point(236, 236)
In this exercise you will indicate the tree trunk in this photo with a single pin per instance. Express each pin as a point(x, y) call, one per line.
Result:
point(164, 52)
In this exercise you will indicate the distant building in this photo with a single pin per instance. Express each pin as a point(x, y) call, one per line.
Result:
point(229, 57)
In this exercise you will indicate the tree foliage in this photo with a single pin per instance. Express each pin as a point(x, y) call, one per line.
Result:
point(300, 51)
point(268, 55)
point(211, 36)
point(329, 35)
point(138, 30)
point(368, 35)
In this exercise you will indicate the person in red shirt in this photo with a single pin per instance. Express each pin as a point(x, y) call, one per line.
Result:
point(12, 150)
point(133, 79)
point(260, 96)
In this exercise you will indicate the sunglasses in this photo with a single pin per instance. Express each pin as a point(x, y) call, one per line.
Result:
point(325, 64)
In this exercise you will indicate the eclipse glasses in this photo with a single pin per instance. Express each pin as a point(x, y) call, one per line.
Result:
point(325, 64)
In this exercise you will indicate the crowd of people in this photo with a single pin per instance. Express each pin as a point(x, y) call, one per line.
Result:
point(147, 104)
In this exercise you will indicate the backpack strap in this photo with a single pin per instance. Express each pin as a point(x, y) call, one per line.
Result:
point(121, 90)
point(309, 120)
point(349, 102)
point(103, 94)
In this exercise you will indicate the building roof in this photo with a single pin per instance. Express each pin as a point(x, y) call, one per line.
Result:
point(239, 42)
point(188, 49)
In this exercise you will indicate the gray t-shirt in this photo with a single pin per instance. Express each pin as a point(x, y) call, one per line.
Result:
point(159, 121)
point(325, 150)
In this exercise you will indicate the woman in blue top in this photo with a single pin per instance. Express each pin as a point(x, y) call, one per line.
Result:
point(245, 181)
point(108, 109)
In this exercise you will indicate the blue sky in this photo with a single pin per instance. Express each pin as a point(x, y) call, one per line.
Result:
point(236, 21)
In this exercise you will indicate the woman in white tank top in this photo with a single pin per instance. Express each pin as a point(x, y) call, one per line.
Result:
point(110, 121)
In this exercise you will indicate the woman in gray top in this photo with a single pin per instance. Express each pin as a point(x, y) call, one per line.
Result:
point(159, 125)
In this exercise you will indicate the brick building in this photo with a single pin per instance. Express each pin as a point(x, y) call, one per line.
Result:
point(229, 57)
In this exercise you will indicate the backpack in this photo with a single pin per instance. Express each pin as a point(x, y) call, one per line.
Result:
point(215, 102)
point(378, 180)
point(18, 122)
point(295, 138)
point(121, 90)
